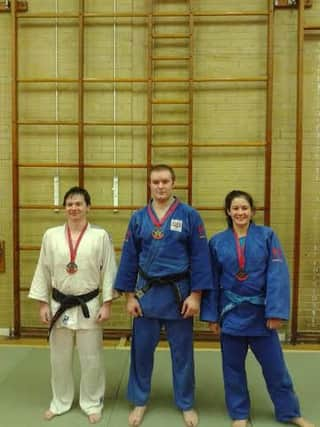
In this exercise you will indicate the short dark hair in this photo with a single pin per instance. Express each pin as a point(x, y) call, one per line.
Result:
point(77, 190)
point(233, 195)
point(162, 167)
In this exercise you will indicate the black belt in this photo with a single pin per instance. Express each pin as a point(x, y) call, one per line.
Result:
point(170, 279)
point(69, 301)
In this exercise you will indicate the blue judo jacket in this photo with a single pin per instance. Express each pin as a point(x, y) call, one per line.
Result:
point(183, 247)
point(242, 307)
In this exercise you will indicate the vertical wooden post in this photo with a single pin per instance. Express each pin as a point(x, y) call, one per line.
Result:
point(268, 148)
point(190, 118)
point(15, 178)
point(81, 94)
point(149, 89)
point(298, 182)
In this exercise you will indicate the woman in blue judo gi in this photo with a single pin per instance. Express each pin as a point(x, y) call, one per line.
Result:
point(252, 292)
point(164, 267)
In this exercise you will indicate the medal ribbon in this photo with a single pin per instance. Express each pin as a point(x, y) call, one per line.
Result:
point(240, 252)
point(155, 220)
point(73, 249)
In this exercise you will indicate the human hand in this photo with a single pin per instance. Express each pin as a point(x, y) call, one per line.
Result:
point(274, 323)
point(191, 305)
point(45, 312)
point(104, 312)
point(133, 306)
point(214, 327)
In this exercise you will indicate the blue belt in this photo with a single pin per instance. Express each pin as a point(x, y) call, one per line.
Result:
point(236, 299)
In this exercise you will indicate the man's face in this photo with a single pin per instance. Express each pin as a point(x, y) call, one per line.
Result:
point(161, 185)
point(76, 208)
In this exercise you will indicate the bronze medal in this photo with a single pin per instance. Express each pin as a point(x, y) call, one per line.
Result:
point(72, 267)
point(241, 275)
point(157, 234)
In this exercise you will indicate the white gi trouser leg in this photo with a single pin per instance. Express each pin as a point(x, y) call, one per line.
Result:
point(92, 384)
point(61, 356)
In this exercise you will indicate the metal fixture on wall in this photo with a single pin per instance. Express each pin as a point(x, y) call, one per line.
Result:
point(56, 178)
point(115, 182)
point(21, 6)
point(291, 3)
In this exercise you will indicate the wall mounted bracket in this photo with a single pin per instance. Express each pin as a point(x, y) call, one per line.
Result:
point(291, 3)
point(21, 6)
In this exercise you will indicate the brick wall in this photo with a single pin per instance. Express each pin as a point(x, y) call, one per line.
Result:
point(221, 112)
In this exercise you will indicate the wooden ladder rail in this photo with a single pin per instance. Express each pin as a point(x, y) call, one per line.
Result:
point(155, 36)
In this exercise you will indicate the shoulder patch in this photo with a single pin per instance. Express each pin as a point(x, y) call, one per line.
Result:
point(277, 254)
point(201, 231)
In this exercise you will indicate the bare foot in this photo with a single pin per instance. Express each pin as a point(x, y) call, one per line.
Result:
point(301, 422)
point(136, 416)
point(48, 415)
point(239, 423)
point(190, 418)
point(94, 418)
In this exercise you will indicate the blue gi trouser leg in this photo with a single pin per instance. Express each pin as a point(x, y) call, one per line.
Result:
point(145, 337)
point(180, 337)
point(234, 352)
point(268, 352)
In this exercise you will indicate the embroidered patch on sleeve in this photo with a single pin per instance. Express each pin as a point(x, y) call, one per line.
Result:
point(277, 255)
point(201, 231)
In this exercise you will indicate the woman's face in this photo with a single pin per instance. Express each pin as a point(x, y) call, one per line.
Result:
point(240, 212)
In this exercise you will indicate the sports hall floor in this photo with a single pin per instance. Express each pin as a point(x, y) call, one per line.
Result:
point(25, 390)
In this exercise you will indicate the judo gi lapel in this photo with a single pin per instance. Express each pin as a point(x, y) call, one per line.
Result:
point(157, 243)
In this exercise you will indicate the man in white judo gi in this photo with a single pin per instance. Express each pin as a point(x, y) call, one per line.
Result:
point(76, 259)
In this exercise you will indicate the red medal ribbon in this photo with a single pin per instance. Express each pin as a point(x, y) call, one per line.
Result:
point(157, 232)
point(73, 249)
point(155, 220)
point(241, 275)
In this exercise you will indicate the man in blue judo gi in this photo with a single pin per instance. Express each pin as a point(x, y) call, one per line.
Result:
point(164, 267)
point(252, 290)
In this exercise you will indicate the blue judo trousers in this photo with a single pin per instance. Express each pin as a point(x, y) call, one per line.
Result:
point(267, 351)
point(146, 334)
point(175, 259)
point(242, 307)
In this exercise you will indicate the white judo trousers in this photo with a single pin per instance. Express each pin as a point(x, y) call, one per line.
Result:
point(92, 381)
